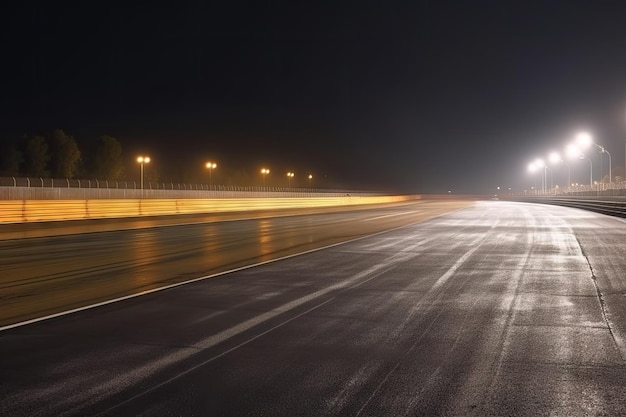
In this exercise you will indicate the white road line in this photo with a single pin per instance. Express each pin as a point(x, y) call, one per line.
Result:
point(389, 215)
point(142, 372)
point(127, 297)
point(442, 279)
point(219, 355)
point(147, 369)
point(357, 279)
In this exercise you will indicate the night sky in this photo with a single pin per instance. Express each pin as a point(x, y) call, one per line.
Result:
point(415, 96)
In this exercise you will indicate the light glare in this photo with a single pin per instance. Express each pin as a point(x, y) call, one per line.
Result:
point(572, 151)
point(554, 157)
point(584, 139)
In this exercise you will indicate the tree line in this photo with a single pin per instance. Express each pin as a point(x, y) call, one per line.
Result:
point(57, 154)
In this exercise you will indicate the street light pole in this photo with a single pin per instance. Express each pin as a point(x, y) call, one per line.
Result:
point(539, 163)
point(142, 160)
point(555, 158)
point(583, 156)
point(310, 179)
point(585, 139)
point(211, 166)
point(574, 152)
point(290, 175)
point(607, 152)
point(264, 172)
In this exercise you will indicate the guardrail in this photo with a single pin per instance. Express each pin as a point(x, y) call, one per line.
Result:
point(13, 188)
point(579, 190)
point(612, 206)
point(38, 193)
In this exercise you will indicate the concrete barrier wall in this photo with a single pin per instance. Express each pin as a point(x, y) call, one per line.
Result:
point(20, 211)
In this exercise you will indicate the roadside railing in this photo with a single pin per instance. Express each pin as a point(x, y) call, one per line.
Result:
point(612, 206)
point(14, 188)
point(603, 197)
point(599, 189)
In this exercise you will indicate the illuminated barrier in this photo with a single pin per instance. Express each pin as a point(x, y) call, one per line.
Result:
point(19, 211)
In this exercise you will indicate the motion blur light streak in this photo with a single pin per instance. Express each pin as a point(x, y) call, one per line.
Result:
point(13, 211)
point(87, 268)
point(503, 302)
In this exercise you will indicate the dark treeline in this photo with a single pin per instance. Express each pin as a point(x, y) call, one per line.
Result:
point(57, 154)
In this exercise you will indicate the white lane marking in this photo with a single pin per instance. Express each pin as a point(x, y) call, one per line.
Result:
point(118, 384)
point(351, 282)
point(476, 244)
point(144, 371)
point(211, 359)
point(442, 279)
point(389, 215)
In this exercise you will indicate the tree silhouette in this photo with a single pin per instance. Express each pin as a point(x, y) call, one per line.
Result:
point(66, 156)
point(108, 162)
point(36, 155)
point(12, 160)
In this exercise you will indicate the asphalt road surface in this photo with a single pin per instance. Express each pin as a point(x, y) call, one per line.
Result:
point(51, 272)
point(500, 308)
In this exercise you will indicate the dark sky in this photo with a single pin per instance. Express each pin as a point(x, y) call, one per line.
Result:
point(420, 96)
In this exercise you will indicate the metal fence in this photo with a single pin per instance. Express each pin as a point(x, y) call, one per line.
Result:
point(13, 188)
point(613, 189)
